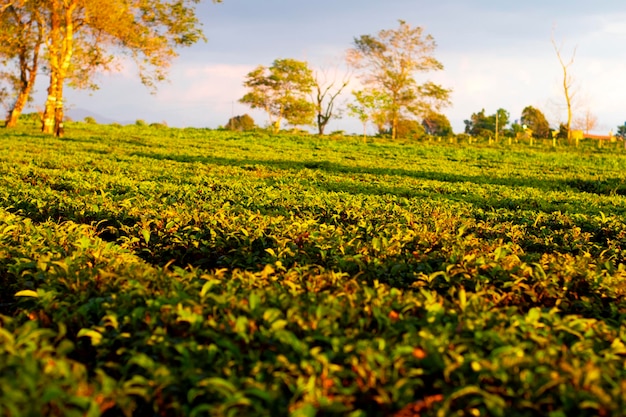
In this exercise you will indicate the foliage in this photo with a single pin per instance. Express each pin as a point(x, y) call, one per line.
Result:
point(21, 38)
point(29, 119)
point(515, 130)
point(281, 90)
point(437, 124)
point(82, 36)
point(481, 125)
point(535, 120)
point(182, 272)
point(90, 120)
point(367, 107)
point(621, 131)
point(240, 123)
point(389, 62)
point(407, 129)
point(563, 132)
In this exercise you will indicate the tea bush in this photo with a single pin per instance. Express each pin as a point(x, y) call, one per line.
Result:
point(195, 272)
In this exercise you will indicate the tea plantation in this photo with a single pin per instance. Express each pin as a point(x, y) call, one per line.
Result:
point(189, 272)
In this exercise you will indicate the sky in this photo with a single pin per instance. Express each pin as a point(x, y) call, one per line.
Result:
point(496, 54)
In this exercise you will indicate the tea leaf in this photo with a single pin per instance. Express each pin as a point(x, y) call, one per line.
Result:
point(27, 293)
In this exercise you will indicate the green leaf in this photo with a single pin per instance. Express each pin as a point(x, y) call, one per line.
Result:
point(27, 293)
point(146, 235)
point(271, 314)
point(208, 286)
point(253, 301)
point(224, 387)
point(279, 324)
point(534, 314)
point(258, 393)
point(462, 299)
point(241, 325)
point(95, 336)
point(307, 410)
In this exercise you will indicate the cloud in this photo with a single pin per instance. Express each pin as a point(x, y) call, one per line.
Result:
point(203, 94)
point(199, 83)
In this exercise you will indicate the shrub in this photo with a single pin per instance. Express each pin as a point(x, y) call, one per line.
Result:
point(29, 118)
point(90, 120)
point(409, 129)
point(140, 123)
point(240, 123)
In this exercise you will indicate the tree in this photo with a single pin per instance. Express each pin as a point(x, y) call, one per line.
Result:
point(408, 129)
point(240, 123)
point(501, 121)
point(535, 120)
point(621, 131)
point(362, 107)
point(587, 122)
point(437, 124)
point(367, 107)
point(481, 125)
point(281, 90)
point(3, 94)
point(389, 63)
point(21, 38)
point(515, 130)
point(568, 90)
point(562, 132)
point(326, 92)
point(80, 36)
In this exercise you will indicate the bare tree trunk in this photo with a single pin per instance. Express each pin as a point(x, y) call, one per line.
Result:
point(58, 110)
point(27, 78)
point(568, 101)
point(567, 86)
point(60, 49)
point(28, 62)
point(54, 50)
point(50, 106)
point(18, 107)
point(322, 121)
point(324, 114)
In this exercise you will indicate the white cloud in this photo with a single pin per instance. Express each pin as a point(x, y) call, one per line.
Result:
point(197, 83)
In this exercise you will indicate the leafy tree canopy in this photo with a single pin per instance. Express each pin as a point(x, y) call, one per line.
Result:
point(281, 90)
point(240, 123)
point(21, 38)
point(389, 63)
point(437, 124)
point(407, 129)
point(482, 125)
point(83, 36)
point(621, 131)
point(535, 120)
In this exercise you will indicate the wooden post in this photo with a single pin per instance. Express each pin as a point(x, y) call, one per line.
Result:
point(496, 126)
